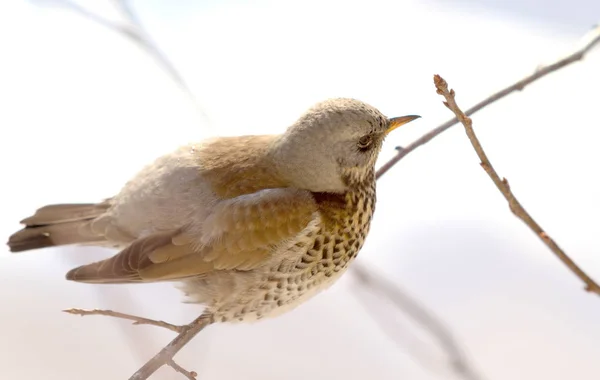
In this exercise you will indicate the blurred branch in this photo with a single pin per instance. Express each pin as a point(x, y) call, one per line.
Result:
point(136, 33)
point(126, 9)
point(165, 356)
point(377, 283)
point(588, 42)
point(502, 184)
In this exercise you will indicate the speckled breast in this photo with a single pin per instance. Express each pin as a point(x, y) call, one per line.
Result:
point(325, 253)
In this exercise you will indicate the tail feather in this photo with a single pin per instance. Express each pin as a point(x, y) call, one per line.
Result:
point(56, 225)
point(62, 213)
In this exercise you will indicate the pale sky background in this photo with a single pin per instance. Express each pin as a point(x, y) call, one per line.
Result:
point(82, 109)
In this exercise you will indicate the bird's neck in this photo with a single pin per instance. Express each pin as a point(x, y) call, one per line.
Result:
point(350, 212)
point(294, 161)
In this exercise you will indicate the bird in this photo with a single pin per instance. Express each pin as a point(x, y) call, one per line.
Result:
point(248, 226)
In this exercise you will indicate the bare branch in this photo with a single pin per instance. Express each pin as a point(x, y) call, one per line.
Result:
point(589, 41)
point(399, 297)
point(191, 375)
point(165, 356)
point(136, 320)
point(502, 185)
point(378, 284)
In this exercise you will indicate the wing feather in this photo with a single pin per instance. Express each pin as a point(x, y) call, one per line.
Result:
point(240, 234)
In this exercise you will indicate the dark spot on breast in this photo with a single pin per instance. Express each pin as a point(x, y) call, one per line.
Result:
point(360, 217)
point(337, 251)
point(317, 244)
point(327, 253)
point(315, 254)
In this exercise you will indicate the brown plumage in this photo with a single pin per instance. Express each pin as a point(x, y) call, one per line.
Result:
point(250, 226)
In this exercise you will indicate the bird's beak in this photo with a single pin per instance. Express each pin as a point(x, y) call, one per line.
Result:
point(395, 122)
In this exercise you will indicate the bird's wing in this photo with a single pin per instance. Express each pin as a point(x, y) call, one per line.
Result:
point(239, 234)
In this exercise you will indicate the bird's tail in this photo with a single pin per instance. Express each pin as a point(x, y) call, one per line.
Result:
point(59, 224)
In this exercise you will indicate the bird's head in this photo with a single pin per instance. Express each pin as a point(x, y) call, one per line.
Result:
point(334, 145)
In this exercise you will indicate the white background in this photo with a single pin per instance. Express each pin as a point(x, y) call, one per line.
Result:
point(82, 109)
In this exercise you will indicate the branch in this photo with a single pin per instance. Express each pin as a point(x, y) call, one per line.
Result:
point(165, 356)
point(378, 284)
point(189, 374)
point(588, 42)
point(502, 185)
point(401, 299)
point(136, 320)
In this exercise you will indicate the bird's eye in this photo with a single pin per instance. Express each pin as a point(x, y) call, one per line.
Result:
point(365, 142)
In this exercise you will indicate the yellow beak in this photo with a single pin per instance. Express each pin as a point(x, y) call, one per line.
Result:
point(395, 122)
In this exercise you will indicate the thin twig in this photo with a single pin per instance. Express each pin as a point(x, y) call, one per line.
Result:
point(589, 41)
point(503, 186)
point(390, 290)
point(136, 320)
point(379, 284)
point(165, 356)
point(191, 375)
